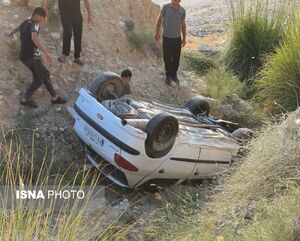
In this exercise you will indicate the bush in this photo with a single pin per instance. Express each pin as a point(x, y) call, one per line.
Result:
point(221, 84)
point(140, 39)
point(255, 33)
point(198, 63)
point(279, 81)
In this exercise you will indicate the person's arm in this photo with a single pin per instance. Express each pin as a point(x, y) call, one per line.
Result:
point(46, 5)
point(37, 41)
point(158, 26)
point(183, 34)
point(183, 31)
point(12, 32)
point(90, 17)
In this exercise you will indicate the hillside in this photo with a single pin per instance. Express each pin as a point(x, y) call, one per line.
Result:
point(105, 47)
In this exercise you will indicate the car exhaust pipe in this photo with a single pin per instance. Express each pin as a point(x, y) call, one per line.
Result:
point(137, 123)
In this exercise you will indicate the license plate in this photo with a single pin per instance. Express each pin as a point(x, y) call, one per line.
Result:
point(94, 137)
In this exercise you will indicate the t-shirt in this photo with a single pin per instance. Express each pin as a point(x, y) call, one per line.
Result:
point(127, 89)
point(28, 48)
point(71, 7)
point(172, 20)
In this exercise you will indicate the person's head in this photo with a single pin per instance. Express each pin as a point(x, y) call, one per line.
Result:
point(126, 75)
point(38, 15)
point(175, 2)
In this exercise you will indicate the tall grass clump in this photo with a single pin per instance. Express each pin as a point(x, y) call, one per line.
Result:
point(256, 32)
point(221, 84)
point(279, 81)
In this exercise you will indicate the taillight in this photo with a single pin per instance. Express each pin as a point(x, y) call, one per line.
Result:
point(122, 162)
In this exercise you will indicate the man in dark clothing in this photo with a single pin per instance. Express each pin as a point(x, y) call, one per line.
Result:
point(126, 76)
point(172, 17)
point(31, 57)
point(71, 19)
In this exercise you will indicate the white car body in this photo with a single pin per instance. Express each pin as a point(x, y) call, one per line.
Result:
point(198, 153)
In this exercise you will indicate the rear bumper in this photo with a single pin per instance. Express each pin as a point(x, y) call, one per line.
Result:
point(108, 170)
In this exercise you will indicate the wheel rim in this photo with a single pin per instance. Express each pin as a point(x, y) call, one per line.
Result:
point(165, 137)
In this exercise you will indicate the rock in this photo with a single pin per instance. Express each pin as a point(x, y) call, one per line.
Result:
point(17, 92)
point(235, 99)
point(5, 3)
point(61, 129)
point(70, 79)
point(58, 109)
point(55, 36)
point(228, 111)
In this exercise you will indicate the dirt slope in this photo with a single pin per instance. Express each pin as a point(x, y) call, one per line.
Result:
point(105, 47)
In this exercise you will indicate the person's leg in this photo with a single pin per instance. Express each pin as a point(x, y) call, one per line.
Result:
point(67, 31)
point(176, 56)
point(36, 80)
point(77, 30)
point(44, 72)
point(167, 53)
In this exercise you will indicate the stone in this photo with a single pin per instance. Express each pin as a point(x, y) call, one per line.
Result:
point(17, 92)
point(228, 111)
point(55, 36)
point(235, 98)
point(58, 109)
point(5, 3)
point(61, 129)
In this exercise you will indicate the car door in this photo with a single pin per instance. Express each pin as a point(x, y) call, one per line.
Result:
point(211, 162)
point(180, 164)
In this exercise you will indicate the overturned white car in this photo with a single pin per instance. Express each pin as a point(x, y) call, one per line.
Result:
point(138, 143)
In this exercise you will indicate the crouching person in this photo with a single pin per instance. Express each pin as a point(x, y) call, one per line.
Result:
point(30, 55)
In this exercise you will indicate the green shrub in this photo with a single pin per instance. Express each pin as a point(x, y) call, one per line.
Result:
point(197, 62)
point(221, 84)
point(279, 81)
point(141, 39)
point(255, 33)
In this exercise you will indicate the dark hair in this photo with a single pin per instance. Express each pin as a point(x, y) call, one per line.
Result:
point(39, 11)
point(126, 73)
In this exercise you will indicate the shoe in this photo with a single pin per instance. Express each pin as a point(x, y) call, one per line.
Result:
point(29, 103)
point(176, 80)
point(59, 100)
point(168, 80)
point(62, 59)
point(78, 61)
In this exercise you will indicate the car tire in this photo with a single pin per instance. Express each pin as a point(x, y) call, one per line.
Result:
point(198, 106)
point(107, 86)
point(161, 131)
point(242, 134)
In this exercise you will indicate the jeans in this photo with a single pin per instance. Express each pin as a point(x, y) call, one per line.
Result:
point(171, 52)
point(40, 76)
point(72, 24)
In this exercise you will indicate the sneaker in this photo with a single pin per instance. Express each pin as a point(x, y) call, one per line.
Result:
point(59, 100)
point(29, 103)
point(78, 61)
point(168, 80)
point(176, 80)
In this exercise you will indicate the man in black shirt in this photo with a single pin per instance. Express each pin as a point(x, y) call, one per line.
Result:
point(71, 18)
point(31, 57)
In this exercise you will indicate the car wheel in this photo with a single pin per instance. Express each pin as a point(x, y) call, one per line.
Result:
point(198, 106)
point(243, 134)
point(107, 86)
point(161, 132)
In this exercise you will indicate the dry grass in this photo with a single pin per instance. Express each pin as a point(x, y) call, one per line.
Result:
point(259, 200)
